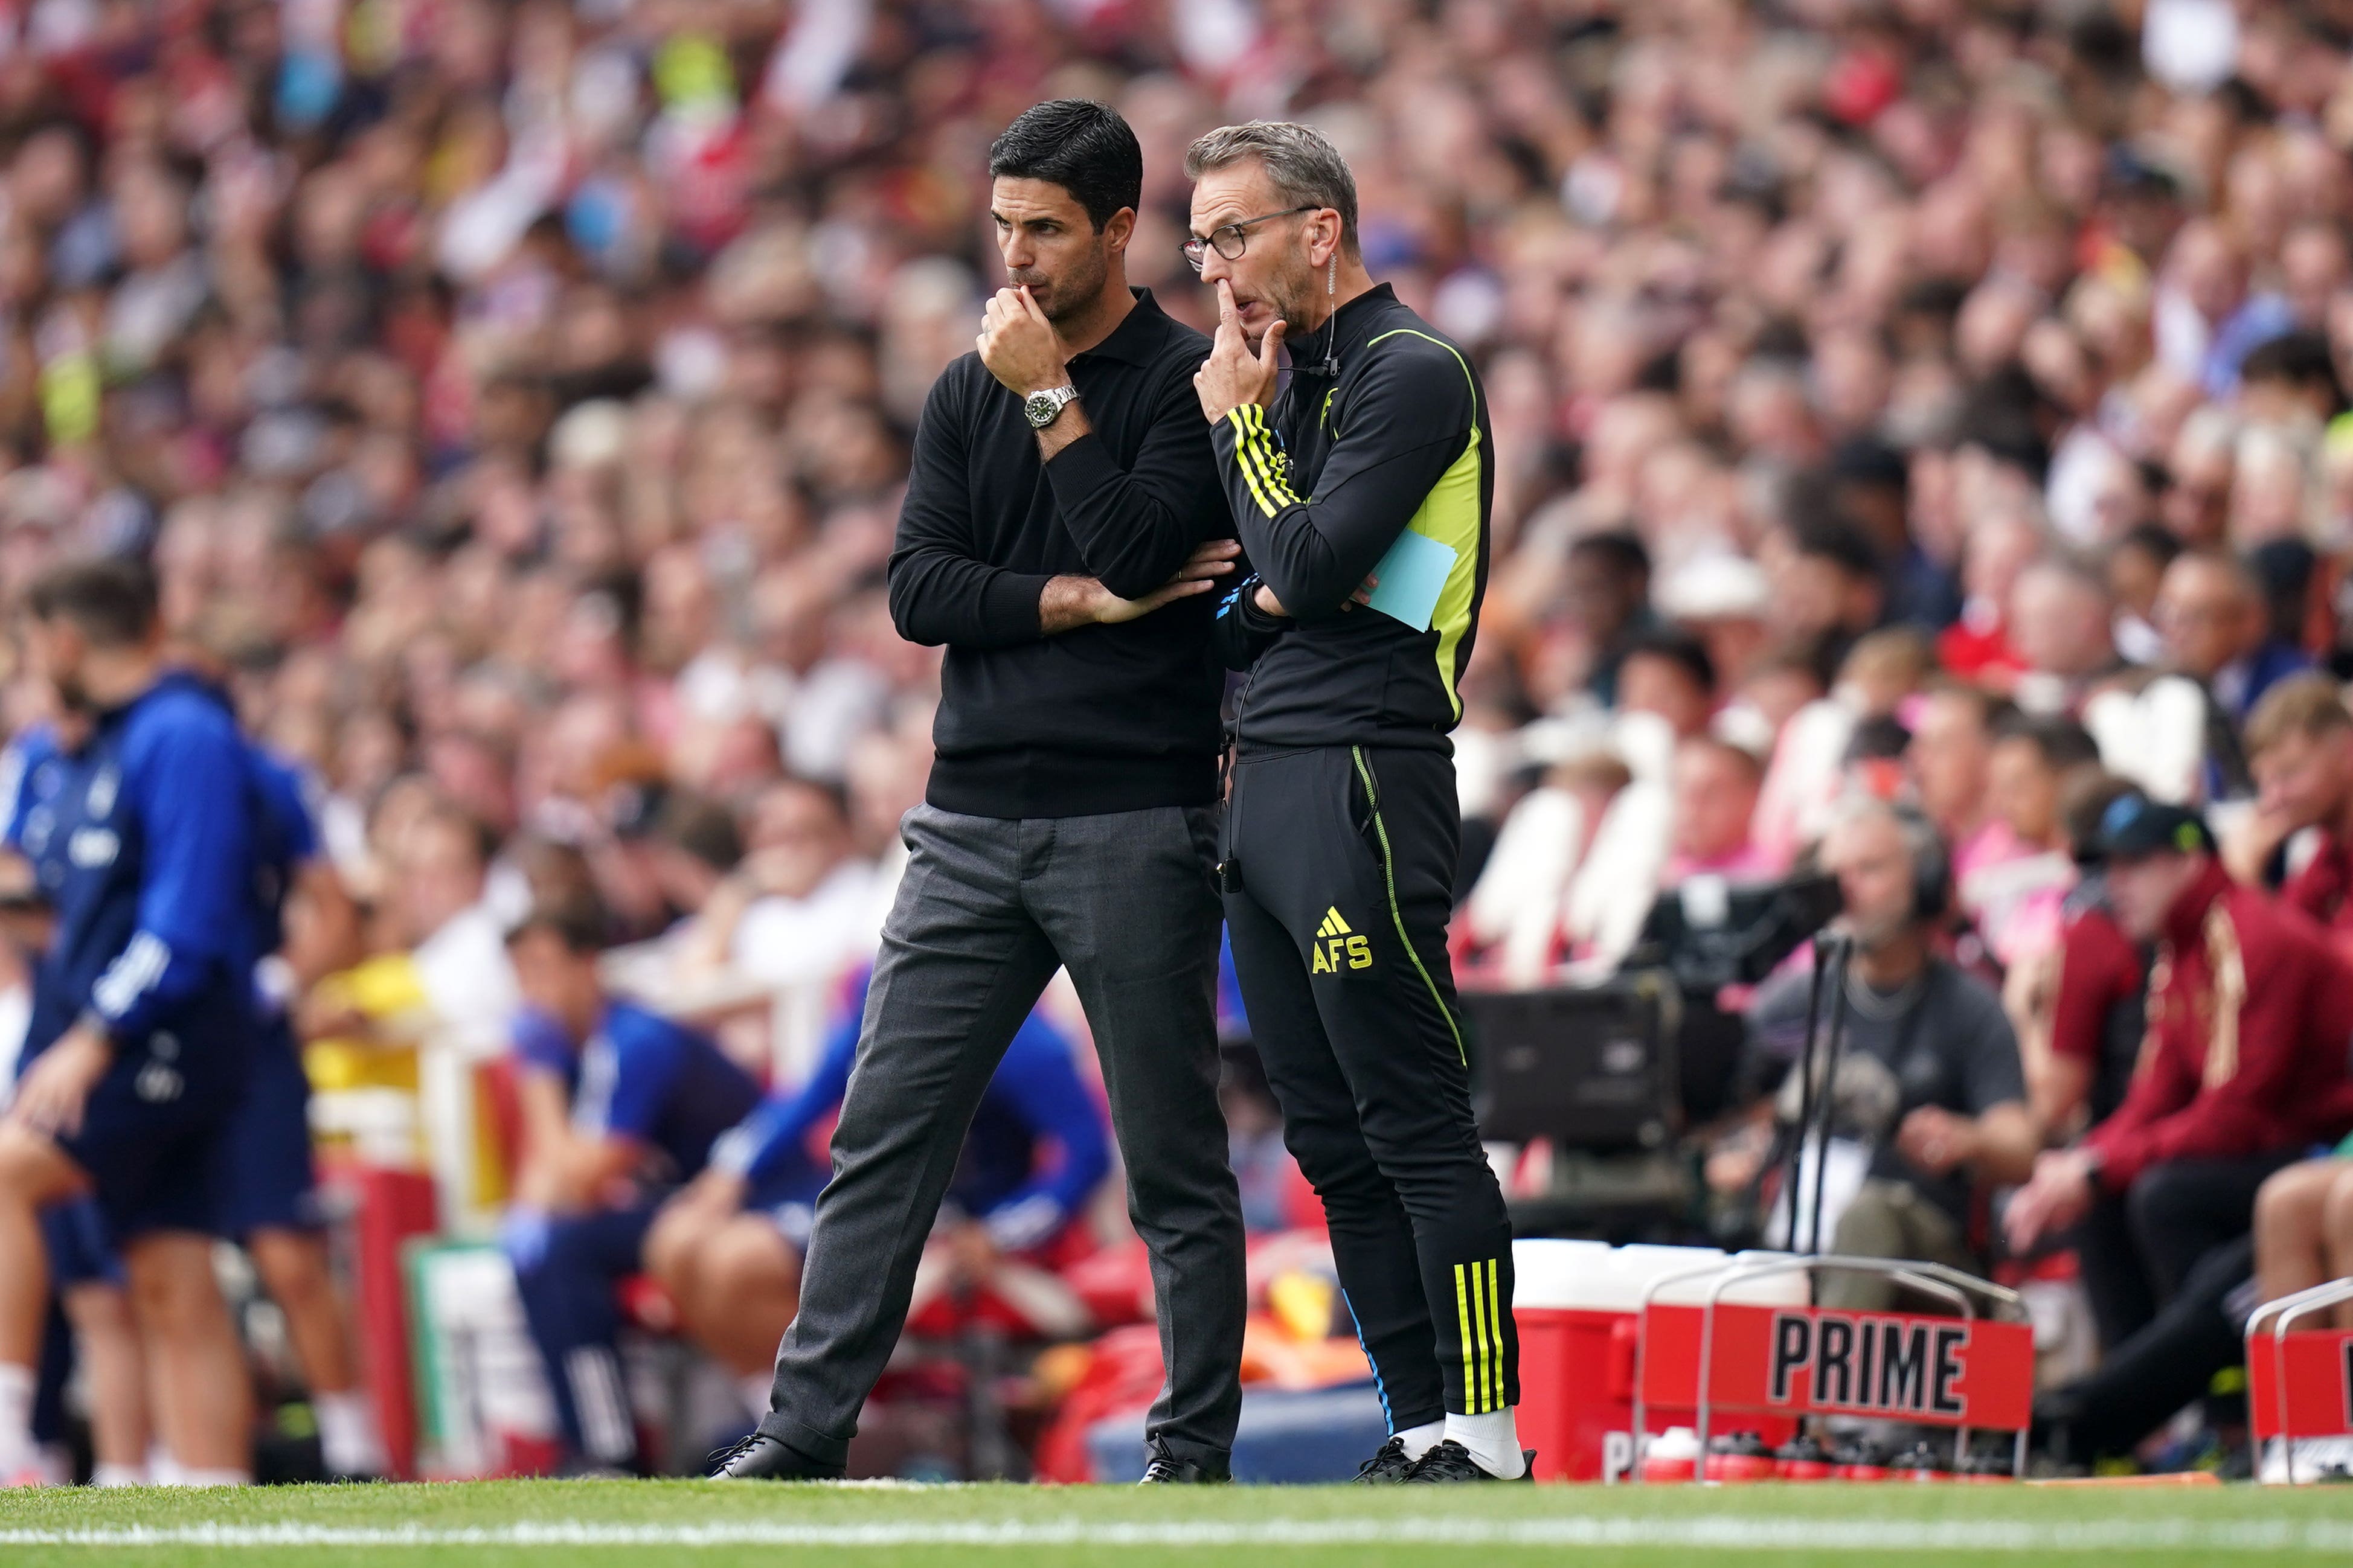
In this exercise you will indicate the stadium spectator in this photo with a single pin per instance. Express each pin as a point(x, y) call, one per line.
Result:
point(2300, 747)
point(2013, 891)
point(447, 967)
point(1667, 672)
point(1979, 647)
point(2064, 632)
point(2135, 574)
point(2217, 633)
point(1716, 784)
point(1950, 752)
point(619, 1106)
point(1605, 599)
point(801, 906)
point(1830, 591)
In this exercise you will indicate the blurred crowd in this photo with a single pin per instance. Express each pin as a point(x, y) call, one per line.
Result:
point(1937, 400)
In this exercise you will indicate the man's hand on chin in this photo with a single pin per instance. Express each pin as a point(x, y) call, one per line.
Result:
point(1018, 345)
point(1232, 375)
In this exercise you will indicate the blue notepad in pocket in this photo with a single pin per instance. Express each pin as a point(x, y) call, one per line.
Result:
point(1412, 574)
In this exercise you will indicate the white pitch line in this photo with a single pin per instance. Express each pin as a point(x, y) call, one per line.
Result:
point(1727, 1532)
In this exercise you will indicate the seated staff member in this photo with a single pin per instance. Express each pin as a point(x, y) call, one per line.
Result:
point(619, 1105)
point(1344, 826)
point(2244, 1069)
point(2090, 996)
point(141, 838)
point(728, 1248)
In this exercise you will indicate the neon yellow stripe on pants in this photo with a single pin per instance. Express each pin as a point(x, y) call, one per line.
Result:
point(1463, 1314)
point(1495, 1302)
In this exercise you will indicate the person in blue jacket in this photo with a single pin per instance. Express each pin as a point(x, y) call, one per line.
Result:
point(91, 1328)
point(140, 842)
point(619, 1106)
point(728, 1249)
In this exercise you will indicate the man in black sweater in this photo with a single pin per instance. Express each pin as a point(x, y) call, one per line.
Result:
point(1062, 527)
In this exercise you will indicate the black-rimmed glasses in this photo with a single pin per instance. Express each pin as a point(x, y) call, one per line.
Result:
point(1228, 238)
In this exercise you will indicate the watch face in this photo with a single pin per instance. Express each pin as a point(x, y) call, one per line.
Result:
point(1041, 406)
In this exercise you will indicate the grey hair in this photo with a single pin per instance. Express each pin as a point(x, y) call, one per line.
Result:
point(1299, 162)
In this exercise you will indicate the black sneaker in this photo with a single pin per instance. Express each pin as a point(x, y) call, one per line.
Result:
point(1166, 1470)
point(760, 1457)
point(1386, 1469)
point(1449, 1461)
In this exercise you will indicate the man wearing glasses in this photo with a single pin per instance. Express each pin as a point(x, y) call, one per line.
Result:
point(1061, 532)
point(1361, 488)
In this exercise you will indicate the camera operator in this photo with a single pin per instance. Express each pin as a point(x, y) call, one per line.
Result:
point(1930, 1076)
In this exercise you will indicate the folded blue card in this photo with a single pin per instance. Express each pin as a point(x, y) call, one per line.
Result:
point(1412, 574)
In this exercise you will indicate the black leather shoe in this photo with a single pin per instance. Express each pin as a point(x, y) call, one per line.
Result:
point(1166, 1470)
point(760, 1457)
point(1386, 1469)
point(1450, 1462)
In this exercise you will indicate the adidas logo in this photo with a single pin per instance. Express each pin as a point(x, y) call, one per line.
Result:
point(1337, 946)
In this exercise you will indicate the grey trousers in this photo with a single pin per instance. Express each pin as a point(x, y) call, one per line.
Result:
point(988, 911)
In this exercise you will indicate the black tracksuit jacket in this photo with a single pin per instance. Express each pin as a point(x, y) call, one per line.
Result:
point(1381, 428)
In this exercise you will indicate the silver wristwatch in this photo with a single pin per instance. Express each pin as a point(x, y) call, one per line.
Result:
point(1043, 407)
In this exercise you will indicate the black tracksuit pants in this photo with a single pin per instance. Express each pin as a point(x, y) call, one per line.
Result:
point(1340, 869)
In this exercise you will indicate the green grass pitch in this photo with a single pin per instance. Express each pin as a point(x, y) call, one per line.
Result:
point(708, 1525)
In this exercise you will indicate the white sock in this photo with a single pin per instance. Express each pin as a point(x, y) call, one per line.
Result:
point(757, 1389)
point(113, 1475)
point(189, 1476)
point(162, 1470)
point(1494, 1440)
point(16, 1384)
point(1420, 1441)
point(350, 1443)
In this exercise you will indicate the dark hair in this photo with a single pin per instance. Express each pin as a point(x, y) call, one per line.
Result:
point(832, 792)
point(110, 599)
point(702, 828)
point(1835, 540)
point(1078, 145)
point(1617, 550)
point(2301, 360)
point(2153, 539)
point(1868, 461)
point(1878, 739)
point(2063, 743)
point(1678, 647)
point(574, 918)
